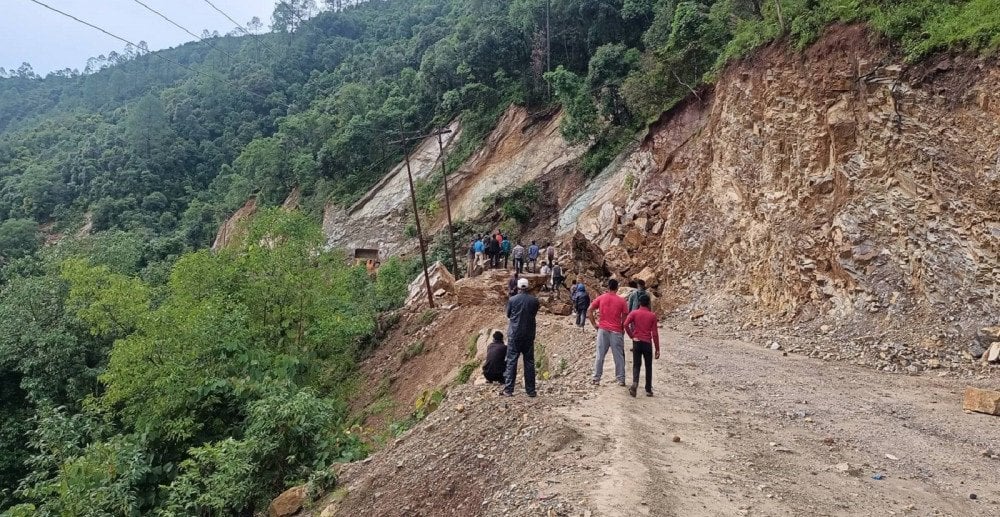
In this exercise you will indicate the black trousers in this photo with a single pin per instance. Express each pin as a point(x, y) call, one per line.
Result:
point(527, 352)
point(643, 351)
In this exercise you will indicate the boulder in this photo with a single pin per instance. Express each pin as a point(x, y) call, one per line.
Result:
point(588, 258)
point(982, 401)
point(441, 280)
point(490, 288)
point(560, 307)
point(288, 503)
point(484, 340)
point(647, 275)
point(994, 354)
point(633, 239)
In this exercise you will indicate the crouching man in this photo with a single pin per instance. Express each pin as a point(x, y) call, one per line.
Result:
point(496, 359)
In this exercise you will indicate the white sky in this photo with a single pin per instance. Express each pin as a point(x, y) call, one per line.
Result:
point(49, 41)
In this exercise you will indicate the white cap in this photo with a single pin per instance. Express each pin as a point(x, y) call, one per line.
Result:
point(523, 283)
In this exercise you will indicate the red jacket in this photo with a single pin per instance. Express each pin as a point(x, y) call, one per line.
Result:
point(641, 325)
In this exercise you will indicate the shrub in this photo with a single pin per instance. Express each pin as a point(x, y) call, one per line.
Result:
point(412, 351)
point(466, 372)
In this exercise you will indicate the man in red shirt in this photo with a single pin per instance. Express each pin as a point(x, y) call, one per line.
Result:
point(610, 331)
point(641, 327)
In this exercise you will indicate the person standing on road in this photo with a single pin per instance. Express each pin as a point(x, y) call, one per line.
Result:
point(518, 253)
point(496, 357)
point(633, 297)
point(472, 258)
point(521, 311)
point(610, 331)
point(480, 248)
point(505, 252)
point(581, 302)
point(641, 325)
point(558, 279)
point(533, 252)
point(493, 252)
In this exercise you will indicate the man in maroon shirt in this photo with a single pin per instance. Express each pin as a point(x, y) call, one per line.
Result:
point(610, 331)
point(641, 327)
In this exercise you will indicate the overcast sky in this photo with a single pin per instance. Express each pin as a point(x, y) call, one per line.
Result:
point(49, 41)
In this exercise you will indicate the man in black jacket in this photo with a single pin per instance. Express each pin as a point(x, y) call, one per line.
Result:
point(493, 252)
point(496, 359)
point(521, 311)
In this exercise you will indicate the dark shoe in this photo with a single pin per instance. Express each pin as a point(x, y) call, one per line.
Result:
point(648, 394)
point(505, 393)
point(533, 394)
point(596, 382)
point(631, 390)
point(621, 383)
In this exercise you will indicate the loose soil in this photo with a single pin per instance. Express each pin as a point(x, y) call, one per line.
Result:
point(760, 433)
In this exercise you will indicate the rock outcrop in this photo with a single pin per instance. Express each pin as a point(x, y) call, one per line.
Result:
point(230, 229)
point(442, 285)
point(379, 219)
point(522, 148)
point(838, 183)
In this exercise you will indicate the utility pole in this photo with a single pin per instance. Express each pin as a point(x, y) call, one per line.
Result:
point(447, 203)
point(548, 47)
point(416, 211)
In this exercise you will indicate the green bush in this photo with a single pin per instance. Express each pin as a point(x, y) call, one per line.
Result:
point(519, 204)
point(466, 371)
point(391, 285)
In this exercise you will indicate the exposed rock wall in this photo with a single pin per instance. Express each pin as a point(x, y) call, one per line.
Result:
point(522, 148)
point(839, 182)
point(379, 219)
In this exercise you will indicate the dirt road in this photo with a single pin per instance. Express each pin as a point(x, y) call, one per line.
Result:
point(762, 433)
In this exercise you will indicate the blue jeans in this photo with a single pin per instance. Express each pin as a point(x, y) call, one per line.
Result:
point(581, 317)
point(615, 341)
point(514, 350)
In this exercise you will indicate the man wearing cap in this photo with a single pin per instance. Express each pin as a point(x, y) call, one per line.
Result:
point(521, 311)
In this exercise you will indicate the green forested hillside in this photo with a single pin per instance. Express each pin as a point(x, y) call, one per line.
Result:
point(142, 375)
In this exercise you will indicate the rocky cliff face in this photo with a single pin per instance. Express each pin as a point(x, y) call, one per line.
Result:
point(379, 218)
point(836, 183)
point(524, 147)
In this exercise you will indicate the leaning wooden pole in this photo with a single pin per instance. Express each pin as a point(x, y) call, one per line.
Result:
point(420, 232)
point(447, 205)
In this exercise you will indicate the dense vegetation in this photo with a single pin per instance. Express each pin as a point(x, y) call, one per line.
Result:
point(149, 376)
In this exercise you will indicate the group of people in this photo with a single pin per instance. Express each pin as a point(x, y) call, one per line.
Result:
point(489, 251)
point(486, 251)
point(609, 313)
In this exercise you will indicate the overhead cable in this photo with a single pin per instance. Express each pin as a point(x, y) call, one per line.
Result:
point(157, 54)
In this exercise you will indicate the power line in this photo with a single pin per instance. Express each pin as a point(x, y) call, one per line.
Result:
point(240, 27)
point(175, 24)
point(157, 54)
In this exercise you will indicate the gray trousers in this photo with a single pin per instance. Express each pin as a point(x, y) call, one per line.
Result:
point(616, 342)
